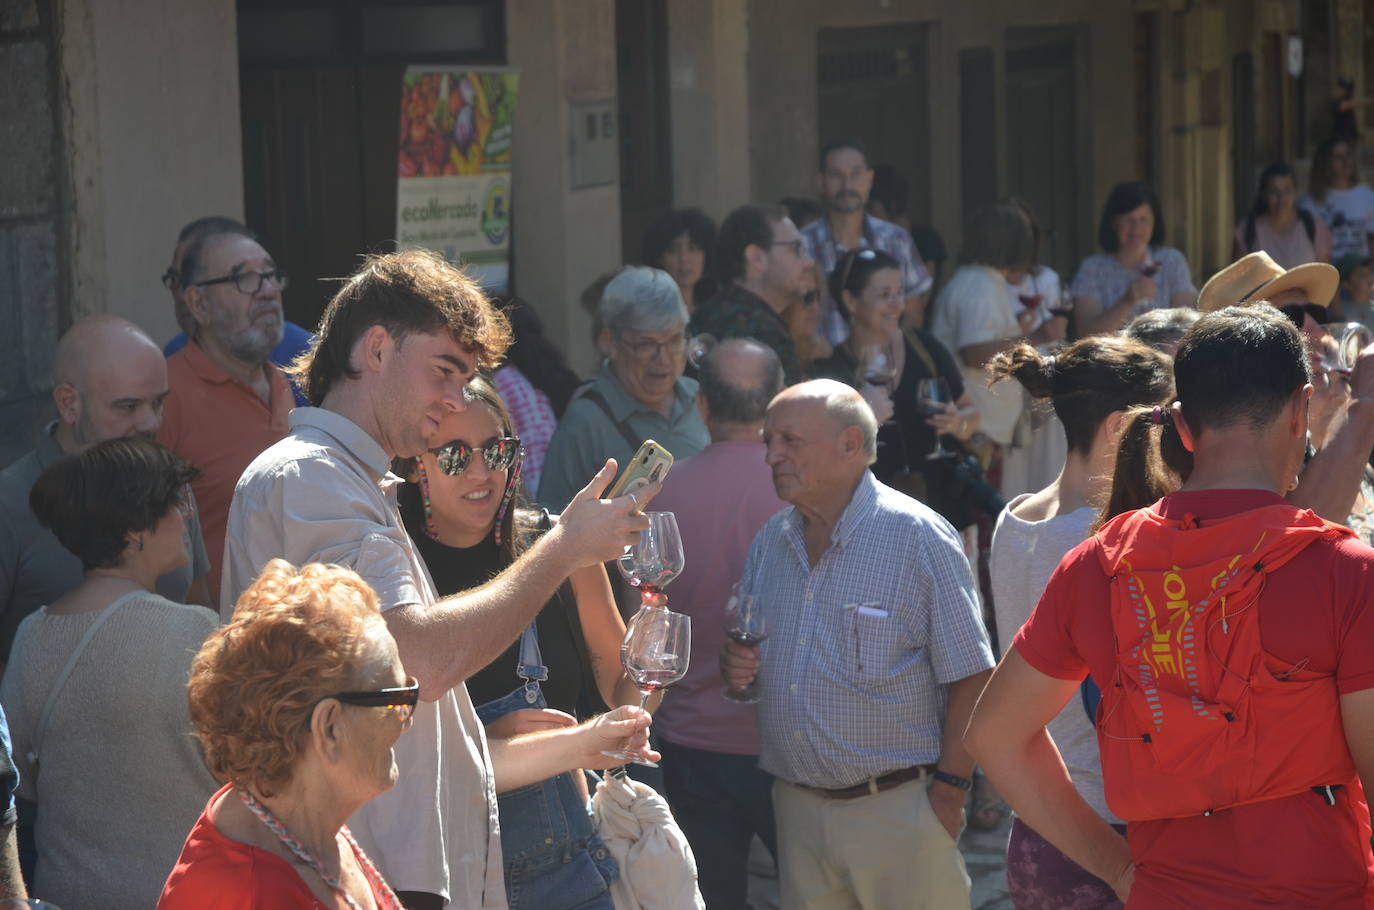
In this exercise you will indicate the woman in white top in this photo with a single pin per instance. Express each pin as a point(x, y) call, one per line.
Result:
point(1336, 192)
point(1275, 224)
point(1135, 272)
point(95, 689)
point(1091, 384)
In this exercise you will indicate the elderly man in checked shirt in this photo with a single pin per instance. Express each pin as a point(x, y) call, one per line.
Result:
point(875, 656)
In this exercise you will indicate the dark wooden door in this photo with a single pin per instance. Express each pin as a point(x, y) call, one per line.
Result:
point(646, 163)
point(874, 86)
point(320, 95)
point(1044, 158)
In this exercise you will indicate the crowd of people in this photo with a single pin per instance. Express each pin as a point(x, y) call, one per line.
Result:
point(329, 609)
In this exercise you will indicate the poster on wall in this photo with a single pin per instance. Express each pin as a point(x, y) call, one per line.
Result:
point(454, 167)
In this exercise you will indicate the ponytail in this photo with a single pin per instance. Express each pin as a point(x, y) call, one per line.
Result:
point(1148, 448)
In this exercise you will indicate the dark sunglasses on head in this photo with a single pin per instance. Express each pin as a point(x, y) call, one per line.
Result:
point(499, 455)
point(1296, 311)
point(405, 697)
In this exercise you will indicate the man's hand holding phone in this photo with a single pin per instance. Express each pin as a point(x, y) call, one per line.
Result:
point(596, 530)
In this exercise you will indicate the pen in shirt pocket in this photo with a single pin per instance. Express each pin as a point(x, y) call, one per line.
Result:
point(870, 608)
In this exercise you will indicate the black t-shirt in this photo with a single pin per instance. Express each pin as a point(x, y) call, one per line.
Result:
point(906, 440)
point(561, 645)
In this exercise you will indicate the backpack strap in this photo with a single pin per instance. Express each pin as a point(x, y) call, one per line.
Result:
point(595, 397)
point(1308, 225)
point(1249, 232)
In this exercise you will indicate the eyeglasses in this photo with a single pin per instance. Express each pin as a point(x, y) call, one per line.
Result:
point(499, 455)
point(171, 279)
point(402, 698)
point(246, 282)
point(1296, 311)
point(849, 260)
point(648, 350)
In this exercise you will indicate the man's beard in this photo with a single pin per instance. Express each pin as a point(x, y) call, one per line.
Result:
point(845, 202)
point(250, 343)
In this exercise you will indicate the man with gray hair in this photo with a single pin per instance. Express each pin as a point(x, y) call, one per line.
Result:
point(721, 497)
point(640, 392)
point(876, 654)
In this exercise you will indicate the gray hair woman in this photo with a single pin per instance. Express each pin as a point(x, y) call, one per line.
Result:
point(640, 392)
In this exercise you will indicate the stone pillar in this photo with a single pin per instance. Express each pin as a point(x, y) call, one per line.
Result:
point(562, 238)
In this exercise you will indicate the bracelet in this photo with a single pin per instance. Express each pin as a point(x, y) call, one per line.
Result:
point(944, 777)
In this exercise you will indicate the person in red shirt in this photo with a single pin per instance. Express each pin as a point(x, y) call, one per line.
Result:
point(1265, 805)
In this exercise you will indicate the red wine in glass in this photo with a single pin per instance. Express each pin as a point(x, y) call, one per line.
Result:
point(745, 625)
point(655, 654)
point(1031, 301)
point(748, 639)
point(1149, 268)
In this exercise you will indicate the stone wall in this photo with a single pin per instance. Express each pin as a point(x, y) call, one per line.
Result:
point(31, 220)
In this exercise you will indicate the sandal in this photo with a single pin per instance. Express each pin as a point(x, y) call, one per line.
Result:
point(987, 811)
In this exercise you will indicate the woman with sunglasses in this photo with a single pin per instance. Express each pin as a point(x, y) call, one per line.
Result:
point(298, 703)
point(95, 686)
point(466, 514)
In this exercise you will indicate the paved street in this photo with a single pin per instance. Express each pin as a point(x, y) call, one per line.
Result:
point(984, 853)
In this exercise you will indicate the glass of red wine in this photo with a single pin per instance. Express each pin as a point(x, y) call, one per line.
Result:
point(934, 397)
point(655, 652)
point(1148, 268)
point(744, 624)
point(655, 559)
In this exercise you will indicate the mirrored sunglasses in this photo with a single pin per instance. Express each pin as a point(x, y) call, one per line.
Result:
point(499, 455)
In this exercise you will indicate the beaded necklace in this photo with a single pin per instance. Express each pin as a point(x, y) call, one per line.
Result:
point(274, 825)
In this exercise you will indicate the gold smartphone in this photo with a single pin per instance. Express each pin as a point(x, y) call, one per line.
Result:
point(650, 465)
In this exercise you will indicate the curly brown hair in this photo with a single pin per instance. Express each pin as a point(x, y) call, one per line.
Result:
point(409, 292)
point(297, 636)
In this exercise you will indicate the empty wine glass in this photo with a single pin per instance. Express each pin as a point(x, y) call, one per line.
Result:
point(934, 397)
point(655, 654)
point(698, 346)
point(876, 367)
point(655, 559)
point(745, 625)
point(1351, 338)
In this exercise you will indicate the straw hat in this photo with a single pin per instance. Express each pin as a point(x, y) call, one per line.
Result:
point(1257, 276)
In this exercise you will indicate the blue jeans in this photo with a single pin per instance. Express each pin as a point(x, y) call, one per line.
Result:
point(554, 855)
point(720, 801)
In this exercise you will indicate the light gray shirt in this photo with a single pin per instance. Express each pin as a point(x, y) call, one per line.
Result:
point(325, 494)
point(35, 569)
point(1024, 556)
point(863, 645)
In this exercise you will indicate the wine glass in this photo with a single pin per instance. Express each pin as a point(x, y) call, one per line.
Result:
point(745, 625)
point(698, 346)
point(655, 653)
point(934, 398)
point(655, 559)
point(876, 367)
point(1351, 338)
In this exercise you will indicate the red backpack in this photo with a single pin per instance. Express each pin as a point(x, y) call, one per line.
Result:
point(1198, 717)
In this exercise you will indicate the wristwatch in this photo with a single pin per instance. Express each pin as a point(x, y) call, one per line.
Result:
point(944, 777)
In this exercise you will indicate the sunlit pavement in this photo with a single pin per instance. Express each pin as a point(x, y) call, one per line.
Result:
point(984, 853)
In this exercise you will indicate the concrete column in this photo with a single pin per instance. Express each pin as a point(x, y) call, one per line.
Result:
point(152, 140)
point(708, 48)
point(563, 238)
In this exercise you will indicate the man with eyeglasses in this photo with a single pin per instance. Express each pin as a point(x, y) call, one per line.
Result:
point(294, 340)
point(844, 182)
point(228, 401)
point(1331, 481)
point(639, 393)
point(764, 263)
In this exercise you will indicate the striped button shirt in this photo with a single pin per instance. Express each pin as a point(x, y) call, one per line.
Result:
point(862, 647)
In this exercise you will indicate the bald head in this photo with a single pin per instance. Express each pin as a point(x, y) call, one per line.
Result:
point(738, 378)
point(110, 381)
point(842, 404)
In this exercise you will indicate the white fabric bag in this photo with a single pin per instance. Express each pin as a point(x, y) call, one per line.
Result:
point(657, 869)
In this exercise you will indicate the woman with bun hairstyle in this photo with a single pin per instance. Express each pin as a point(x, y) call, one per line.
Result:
point(1092, 385)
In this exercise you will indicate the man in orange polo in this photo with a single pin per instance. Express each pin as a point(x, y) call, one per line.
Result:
point(228, 402)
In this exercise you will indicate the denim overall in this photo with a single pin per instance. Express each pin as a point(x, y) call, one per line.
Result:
point(554, 856)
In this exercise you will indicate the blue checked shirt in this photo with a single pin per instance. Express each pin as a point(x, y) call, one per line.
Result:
point(861, 648)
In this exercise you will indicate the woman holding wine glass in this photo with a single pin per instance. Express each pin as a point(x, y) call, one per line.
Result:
point(1134, 272)
point(888, 367)
point(467, 516)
